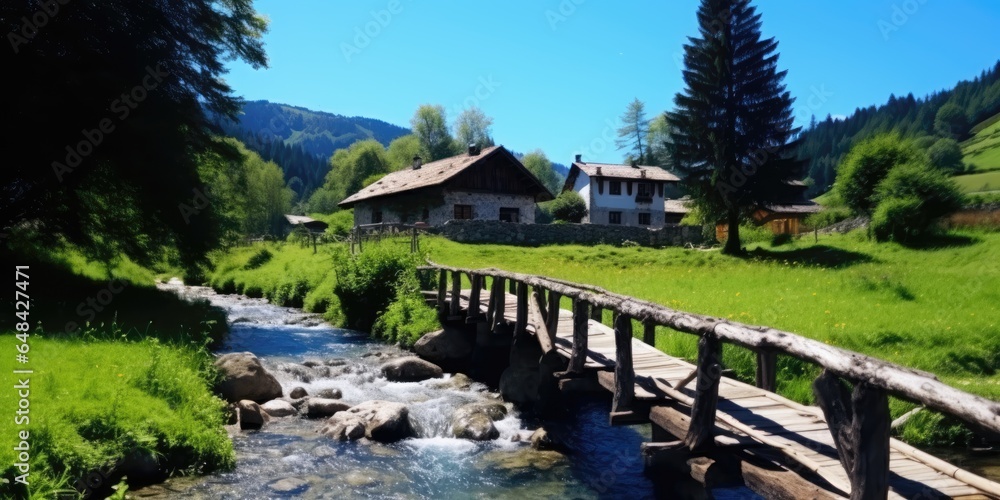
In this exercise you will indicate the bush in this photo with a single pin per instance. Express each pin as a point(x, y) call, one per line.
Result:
point(263, 256)
point(946, 155)
point(367, 282)
point(408, 317)
point(911, 200)
point(827, 218)
point(866, 166)
point(569, 207)
point(340, 223)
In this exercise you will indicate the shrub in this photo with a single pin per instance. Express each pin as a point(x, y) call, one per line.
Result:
point(911, 200)
point(866, 166)
point(340, 223)
point(826, 218)
point(408, 317)
point(367, 282)
point(569, 206)
point(946, 155)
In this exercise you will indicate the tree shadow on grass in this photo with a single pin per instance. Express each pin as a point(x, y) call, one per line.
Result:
point(817, 255)
point(942, 241)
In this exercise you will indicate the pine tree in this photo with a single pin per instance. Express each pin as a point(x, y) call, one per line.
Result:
point(635, 128)
point(733, 125)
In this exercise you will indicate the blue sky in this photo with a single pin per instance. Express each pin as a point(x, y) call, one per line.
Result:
point(557, 74)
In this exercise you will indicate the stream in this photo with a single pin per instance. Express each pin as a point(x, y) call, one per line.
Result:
point(288, 457)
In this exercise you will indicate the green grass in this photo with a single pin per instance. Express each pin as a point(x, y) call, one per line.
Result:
point(96, 401)
point(293, 276)
point(923, 308)
point(983, 149)
point(978, 183)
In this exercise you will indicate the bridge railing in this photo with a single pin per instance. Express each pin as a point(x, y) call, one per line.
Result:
point(858, 416)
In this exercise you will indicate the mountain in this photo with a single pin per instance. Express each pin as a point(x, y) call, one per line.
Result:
point(824, 144)
point(301, 141)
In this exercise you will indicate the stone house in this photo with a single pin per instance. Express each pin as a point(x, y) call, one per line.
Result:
point(628, 195)
point(488, 184)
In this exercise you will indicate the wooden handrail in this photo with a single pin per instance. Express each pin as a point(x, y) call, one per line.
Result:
point(913, 385)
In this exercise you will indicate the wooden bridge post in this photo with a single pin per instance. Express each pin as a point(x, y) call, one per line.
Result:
point(860, 425)
point(442, 292)
point(579, 355)
point(597, 314)
point(521, 314)
point(706, 394)
point(552, 319)
point(624, 374)
point(649, 333)
point(474, 298)
point(497, 303)
point(767, 373)
point(513, 287)
point(456, 295)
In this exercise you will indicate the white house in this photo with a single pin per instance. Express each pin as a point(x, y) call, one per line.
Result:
point(490, 184)
point(629, 195)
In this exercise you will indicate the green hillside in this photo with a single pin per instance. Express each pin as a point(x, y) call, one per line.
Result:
point(983, 149)
point(982, 182)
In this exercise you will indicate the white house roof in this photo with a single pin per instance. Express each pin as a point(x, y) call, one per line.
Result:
point(618, 171)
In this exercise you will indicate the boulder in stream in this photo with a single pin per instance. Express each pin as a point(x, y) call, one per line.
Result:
point(330, 393)
point(298, 392)
point(381, 421)
point(475, 421)
point(243, 377)
point(444, 345)
point(410, 369)
point(250, 415)
point(279, 408)
point(323, 407)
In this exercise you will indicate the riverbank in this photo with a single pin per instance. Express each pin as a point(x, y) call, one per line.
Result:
point(120, 379)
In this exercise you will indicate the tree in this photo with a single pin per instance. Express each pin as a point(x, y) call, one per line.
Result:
point(951, 121)
point(473, 127)
point(947, 155)
point(402, 150)
point(866, 166)
point(539, 165)
point(123, 105)
point(733, 124)
point(634, 130)
point(430, 126)
point(568, 207)
point(911, 199)
point(658, 142)
point(350, 168)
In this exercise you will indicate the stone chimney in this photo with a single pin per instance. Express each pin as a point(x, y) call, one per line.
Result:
point(417, 162)
point(473, 150)
point(579, 158)
point(635, 164)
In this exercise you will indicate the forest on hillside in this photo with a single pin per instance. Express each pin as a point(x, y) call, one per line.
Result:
point(949, 114)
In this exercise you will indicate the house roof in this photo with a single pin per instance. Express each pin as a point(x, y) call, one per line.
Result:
point(618, 171)
point(681, 206)
point(430, 174)
point(796, 208)
point(299, 219)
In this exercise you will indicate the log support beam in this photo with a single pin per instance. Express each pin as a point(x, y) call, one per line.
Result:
point(579, 356)
point(767, 370)
point(649, 333)
point(521, 315)
point(474, 315)
point(706, 394)
point(497, 305)
point(552, 319)
point(624, 396)
point(456, 296)
point(442, 293)
point(860, 425)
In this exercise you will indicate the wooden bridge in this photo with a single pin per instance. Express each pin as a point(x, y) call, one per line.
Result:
point(704, 420)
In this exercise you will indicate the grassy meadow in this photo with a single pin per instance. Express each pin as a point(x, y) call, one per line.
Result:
point(983, 149)
point(979, 183)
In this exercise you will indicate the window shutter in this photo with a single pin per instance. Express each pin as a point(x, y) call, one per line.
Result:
point(600, 186)
point(629, 188)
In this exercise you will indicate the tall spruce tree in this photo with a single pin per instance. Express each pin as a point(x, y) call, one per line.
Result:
point(732, 128)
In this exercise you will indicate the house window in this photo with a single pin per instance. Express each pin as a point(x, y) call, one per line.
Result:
point(376, 217)
point(615, 187)
point(463, 212)
point(644, 219)
point(614, 217)
point(510, 214)
point(645, 190)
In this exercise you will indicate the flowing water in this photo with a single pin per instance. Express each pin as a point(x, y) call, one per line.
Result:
point(289, 458)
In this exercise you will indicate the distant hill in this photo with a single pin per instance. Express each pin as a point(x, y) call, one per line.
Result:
point(317, 132)
point(301, 141)
point(824, 144)
point(982, 151)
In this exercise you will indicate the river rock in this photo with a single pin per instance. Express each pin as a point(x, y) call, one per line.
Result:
point(243, 377)
point(540, 439)
point(323, 407)
point(381, 421)
point(410, 369)
point(298, 392)
point(289, 486)
point(279, 408)
point(299, 372)
point(312, 362)
point(329, 393)
point(250, 415)
point(475, 421)
point(443, 345)
point(458, 381)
